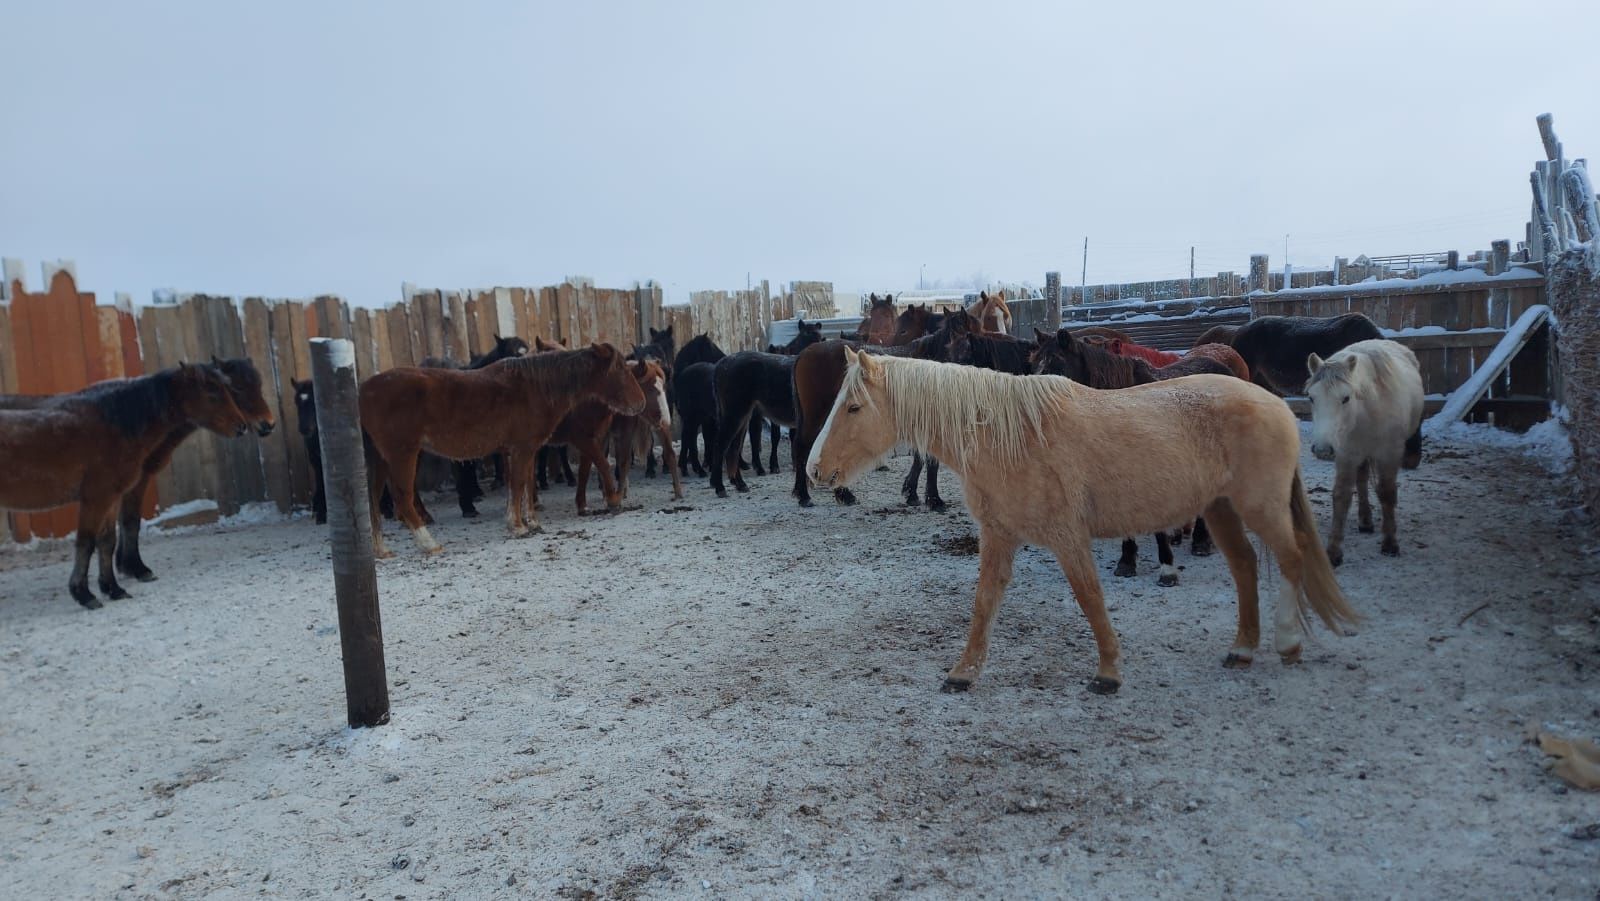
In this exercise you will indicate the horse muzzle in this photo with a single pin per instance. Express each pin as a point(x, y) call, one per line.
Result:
point(1322, 451)
point(265, 427)
point(240, 429)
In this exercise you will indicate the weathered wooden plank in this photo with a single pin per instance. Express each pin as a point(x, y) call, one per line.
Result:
point(8, 385)
point(274, 449)
point(291, 355)
point(382, 347)
point(455, 328)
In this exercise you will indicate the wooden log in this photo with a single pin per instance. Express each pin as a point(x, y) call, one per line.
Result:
point(1547, 134)
point(276, 478)
point(1259, 277)
point(383, 349)
point(1579, 200)
point(355, 575)
point(288, 335)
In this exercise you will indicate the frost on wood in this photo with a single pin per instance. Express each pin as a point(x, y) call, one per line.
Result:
point(1575, 296)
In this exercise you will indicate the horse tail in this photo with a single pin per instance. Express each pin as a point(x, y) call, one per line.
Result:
point(1413, 455)
point(1321, 594)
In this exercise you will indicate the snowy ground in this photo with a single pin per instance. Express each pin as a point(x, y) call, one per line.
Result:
point(741, 699)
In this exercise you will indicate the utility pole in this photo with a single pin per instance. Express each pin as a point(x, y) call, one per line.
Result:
point(1191, 262)
point(1083, 282)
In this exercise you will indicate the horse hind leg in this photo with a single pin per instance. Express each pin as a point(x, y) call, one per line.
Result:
point(1077, 561)
point(1169, 570)
point(936, 503)
point(467, 490)
point(1228, 531)
point(1388, 496)
point(92, 520)
point(908, 488)
point(1363, 500)
point(1128, 562)
point(403, 486)
point(1276, 528)
point(1200, 543)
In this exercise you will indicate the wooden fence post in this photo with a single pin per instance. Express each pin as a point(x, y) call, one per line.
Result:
point(1259, 279)
point(355, 577)
point(1052, 297)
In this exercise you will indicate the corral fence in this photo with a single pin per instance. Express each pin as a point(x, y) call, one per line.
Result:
point(61, 339)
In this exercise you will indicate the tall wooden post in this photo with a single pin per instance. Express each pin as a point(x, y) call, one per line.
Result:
point(1259, 280)
point(355, 577)
point(1052, 297)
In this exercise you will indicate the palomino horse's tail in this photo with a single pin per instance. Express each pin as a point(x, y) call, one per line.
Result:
point(1321, 593)
point(1413, 455)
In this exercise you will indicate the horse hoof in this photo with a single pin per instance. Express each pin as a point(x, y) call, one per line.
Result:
point(469, 514)
point(1125, 571)
point(1335, 556)
point(1200, 549)
point(742, 489)
point(883, 467)
point(760, 471)
point(1168, 580)
point(1291, 656)
point(1236, 660)
point(953, 685)
point(845, 496)
point(807, 502)
point(1365, 528)
point(1391, 549)
point(93, 603)
point(913, 501)
point(935, 505)
point(321, 519)
point(115, 593)
point(722, 492)
point(1100, 685)
point(384, 554)
point(434, 551)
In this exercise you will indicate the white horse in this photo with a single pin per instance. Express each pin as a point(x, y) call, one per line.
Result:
point(1366, 402)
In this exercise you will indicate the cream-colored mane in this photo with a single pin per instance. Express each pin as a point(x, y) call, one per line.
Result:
point(957, 408)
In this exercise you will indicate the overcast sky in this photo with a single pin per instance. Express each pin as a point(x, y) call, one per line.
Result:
point(290, 149)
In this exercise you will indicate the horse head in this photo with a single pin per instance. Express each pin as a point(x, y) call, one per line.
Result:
point(305, 406)
point(653, 383)
point(613, 383)
point(859, 431)
point(810, 333)
point(505, 348)
point(205, 397)
point(1331, 390)
point(244, 381)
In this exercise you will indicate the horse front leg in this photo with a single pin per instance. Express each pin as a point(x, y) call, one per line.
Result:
point(1077, 561)
point(669, 462)
point(106, 544)
point(521, 520)
point(908, 488)
point(1200, 545)
point(776, 434)
point(996, 553)
point(1388, 496)
point(756, 427)
point(1128, 562)
point(93, 514)
point(1363, 502)
point(1343, 487)
point(936, 503)
point(128, 561)
point(466, 476)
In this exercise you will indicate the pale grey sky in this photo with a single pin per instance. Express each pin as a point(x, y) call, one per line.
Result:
point(292, 148)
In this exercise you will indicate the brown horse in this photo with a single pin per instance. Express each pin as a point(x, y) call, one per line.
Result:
point(91, 447)
point(512, 406)
point(993, 316)
point(1051, 463)
point(628, 433)
point(1220, 353)
point(1100, 335)
point(879, 325)
point(914, 322)
point(1217, 334)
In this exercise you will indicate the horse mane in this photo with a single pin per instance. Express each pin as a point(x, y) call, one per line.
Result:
point(1109, 370)
point(1001, 353)
point(556, 372)
point(131, 404)
point(954, 407)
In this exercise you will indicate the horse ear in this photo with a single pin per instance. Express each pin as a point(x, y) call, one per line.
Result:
point(1350, 363)
point(1000, 295)
point(850, 356)
point(604, 351)
point(1313, 363)
point(1040, 336)
point(1115, 346)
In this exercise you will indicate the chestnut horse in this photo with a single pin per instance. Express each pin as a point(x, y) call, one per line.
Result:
point(92, 446)
point(1100, 334)
point(512, 406)
point(628, 433)
point(1221, 353)
point(994, 317)
point(465, 472)
point(879, 325)
point(1052, 463)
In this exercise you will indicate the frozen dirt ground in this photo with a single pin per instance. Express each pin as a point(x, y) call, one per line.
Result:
point(741, 699)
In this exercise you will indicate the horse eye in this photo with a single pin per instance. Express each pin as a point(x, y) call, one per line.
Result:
point(1346, 399)
point(855, 408)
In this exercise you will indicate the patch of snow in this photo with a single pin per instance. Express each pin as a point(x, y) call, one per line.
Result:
point(1547, 443)
point(1444, 278)
point(178, 511)
point(1419, 331)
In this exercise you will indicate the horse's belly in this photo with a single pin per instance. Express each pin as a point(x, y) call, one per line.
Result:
point(37, 488)
point(459, 447)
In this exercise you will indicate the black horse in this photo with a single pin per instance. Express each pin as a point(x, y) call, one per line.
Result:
point(305, 407)
point(749, 383)
point(466, 471)
point(696, 401)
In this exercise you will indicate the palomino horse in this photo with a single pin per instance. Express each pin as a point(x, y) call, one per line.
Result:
point(1052, 463)
point(879, 325)
point(1366, 402)
point(629, 432)
point(994, 317)
point(1088, 364)
point(512, 406)
point(91, 447)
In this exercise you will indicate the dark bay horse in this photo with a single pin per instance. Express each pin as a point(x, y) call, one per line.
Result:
point(244, 383)
point(1087, 364)
point(91, 447)
point(749, 383)
point(914, 322)
point(512, 406)
point(879, 325)
point(818, 375)
point(305, 408)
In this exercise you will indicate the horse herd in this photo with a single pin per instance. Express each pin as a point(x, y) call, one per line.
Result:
point(1059, 438)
